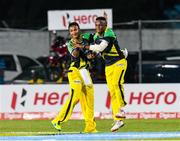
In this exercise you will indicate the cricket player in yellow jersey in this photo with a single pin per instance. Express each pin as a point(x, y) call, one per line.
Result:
point(81, 86)
point(105, 42)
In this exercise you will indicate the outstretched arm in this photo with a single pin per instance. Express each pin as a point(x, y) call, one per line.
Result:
point(96, 47)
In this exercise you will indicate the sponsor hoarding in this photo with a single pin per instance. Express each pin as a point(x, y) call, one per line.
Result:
point(143, 100)
point(60, 19)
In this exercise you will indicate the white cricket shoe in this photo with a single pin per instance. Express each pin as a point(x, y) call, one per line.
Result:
point(121, 114)
point(118, 124)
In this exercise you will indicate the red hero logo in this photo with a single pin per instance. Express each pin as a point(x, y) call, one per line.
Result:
point(148, 98)
point(14, 99)
point(52, 98)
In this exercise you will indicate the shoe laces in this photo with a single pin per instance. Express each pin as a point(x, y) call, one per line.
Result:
point(122, 111)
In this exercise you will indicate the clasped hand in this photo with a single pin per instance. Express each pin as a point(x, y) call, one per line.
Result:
point(78, 46)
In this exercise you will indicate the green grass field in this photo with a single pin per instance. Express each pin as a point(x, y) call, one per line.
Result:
point(35, 127)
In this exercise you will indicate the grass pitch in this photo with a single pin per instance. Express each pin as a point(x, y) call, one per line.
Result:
point(44, 127)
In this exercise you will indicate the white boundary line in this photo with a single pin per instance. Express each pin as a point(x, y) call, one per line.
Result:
point(95, 136)
point(56, 132)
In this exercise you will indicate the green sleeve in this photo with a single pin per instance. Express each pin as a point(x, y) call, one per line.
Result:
point(109, 33)
point(70, 47)
point(86, 36)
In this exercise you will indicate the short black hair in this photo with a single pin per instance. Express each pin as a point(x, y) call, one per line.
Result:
point(101, 18)
point(73, 24)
